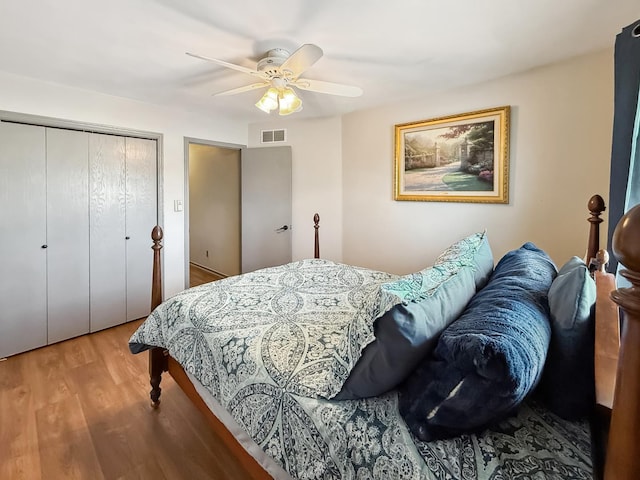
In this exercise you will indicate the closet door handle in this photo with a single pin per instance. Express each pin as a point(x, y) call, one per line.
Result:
point(127, 238)
point(44, 246)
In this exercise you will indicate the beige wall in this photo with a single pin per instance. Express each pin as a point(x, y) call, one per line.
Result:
point(561, 123)
point(214, 208)
point(317, 181)
point(343, 167)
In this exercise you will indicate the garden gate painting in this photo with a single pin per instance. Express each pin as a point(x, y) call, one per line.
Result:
point(459, 158)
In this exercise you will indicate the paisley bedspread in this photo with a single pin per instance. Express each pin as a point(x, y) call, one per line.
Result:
point(273, 345)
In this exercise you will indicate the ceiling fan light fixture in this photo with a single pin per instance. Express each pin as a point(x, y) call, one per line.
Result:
point(269, 101)
point(280, 70)
point(289, 102)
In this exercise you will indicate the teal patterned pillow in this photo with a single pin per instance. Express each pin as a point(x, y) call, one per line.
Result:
point(475, 249)
point(425, 303)
point(472, 252)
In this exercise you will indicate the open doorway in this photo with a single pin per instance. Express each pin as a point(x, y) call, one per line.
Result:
point(237, 209)
point(213, 212)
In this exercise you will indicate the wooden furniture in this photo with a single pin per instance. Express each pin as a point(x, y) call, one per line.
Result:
point(68, 197)
point(160, 361)
point(606, 352)
point(623, 458)
point(607, 329)
point(607, 348)
point(623, 450)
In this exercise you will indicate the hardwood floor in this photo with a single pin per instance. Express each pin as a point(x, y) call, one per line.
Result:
point(80, 409)
point(199, 275)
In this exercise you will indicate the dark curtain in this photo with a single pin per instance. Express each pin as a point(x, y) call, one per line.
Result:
point(624, 189)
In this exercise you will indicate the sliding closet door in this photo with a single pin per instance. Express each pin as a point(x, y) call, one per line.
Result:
point(67, 233)
point(141, 217)
point(23, 253)
point(107, 230)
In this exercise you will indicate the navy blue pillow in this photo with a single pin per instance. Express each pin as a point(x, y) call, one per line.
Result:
point(488, 360)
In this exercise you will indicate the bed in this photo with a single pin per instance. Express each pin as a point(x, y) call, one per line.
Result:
point(274, 359)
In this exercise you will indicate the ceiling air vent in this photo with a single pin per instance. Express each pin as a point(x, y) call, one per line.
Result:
point(274, 136)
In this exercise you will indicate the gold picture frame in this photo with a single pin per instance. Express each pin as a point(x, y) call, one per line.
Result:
point(458, 158)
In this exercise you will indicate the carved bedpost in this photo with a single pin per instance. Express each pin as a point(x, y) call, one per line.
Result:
point(157, 365)
point(157, 359)
point(316, 226)
point(156, 286)
point(623, 452)
point(596, 207)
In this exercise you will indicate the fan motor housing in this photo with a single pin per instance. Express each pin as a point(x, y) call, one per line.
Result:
point(271, 63)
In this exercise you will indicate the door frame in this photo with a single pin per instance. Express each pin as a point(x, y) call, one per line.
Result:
point(196, 141)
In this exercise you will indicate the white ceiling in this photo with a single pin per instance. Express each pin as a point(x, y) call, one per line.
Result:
point(392, 49)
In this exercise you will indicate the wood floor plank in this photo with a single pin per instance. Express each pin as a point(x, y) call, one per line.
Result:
point(19, 455)
point(148, 470)
point(178, 428)
point(179, 436)
point(113, 344)
point(46, 375)
point(176, 399)
point(77, 351)
point(101, 404)
point(65, 445)
point(80, 409)
point(11, 372)
point(199, 275)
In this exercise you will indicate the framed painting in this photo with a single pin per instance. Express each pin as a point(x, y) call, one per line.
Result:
point(458, 158)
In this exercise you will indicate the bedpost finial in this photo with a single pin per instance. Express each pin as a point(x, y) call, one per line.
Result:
point(157, 234)
point(596, 205)
point(602, 260)
point(316, 246)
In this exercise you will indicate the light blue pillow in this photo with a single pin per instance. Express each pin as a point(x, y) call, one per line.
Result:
point(431, 299)
point(568, 384)
point(488, 360)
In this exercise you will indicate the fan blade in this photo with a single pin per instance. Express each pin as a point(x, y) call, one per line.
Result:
point(301, 59)
point(232, 66)
point(327, 87)
point(246, 88)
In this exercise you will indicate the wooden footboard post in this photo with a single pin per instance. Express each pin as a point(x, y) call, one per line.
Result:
point(316, 243)
point(157, 365)
point(596, 207)
point(157, 358)
point(623, 452)
point(156, 285)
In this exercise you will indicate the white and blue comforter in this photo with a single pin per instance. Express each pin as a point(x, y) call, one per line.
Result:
point(272, 345)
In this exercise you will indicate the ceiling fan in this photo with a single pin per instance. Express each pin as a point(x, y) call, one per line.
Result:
point(280, 71)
